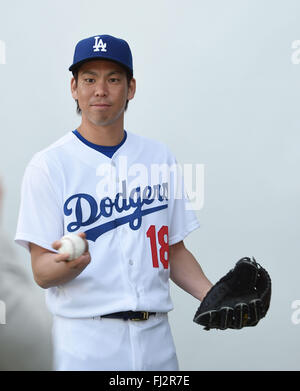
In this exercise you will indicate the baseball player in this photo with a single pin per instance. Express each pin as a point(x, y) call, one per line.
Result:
point(110, 305)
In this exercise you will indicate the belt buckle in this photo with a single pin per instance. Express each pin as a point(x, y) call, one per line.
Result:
point(145, 316)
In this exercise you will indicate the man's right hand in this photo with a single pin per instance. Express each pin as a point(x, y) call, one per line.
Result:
point(52, 269)
point(78, 263)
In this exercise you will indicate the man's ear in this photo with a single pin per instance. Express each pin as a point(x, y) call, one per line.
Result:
point(74, 88)
point(131, 89)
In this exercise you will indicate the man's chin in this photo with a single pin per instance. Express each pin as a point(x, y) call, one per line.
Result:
point(101, 122)
point(101, 119)
point(104, 121)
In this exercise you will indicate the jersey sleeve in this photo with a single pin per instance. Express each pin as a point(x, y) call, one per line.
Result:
point(182, 217)
point(40, 219)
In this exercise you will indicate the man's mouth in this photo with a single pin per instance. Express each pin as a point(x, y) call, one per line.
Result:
point(101, 105)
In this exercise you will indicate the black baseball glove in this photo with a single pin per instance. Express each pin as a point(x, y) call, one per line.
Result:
point(240, 299)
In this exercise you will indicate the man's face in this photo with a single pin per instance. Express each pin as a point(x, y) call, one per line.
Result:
point(102, 91)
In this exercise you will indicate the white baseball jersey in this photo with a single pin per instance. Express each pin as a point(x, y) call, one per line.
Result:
point(129, 213)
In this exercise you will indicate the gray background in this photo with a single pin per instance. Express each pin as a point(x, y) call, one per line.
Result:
point(216, 83)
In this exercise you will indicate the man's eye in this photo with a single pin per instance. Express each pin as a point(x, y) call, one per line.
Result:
point(89, 80)
point(114, 80)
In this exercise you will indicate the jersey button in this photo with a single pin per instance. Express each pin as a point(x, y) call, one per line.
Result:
point(130, 262)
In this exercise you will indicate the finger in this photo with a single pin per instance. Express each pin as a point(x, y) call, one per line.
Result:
point(86, 257)
point(62, 257)
point(56, 245)
point(203, 319)
point(245, 315)
point(241, 315)
point(214, 320)
point(255, 311)
point(226, 317)
point(81, 261)
point(209, 319)
point(237, 316)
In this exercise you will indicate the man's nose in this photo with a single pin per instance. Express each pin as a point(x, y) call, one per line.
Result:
point(101, 88)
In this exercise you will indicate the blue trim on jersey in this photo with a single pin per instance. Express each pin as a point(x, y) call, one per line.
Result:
point(106, 150)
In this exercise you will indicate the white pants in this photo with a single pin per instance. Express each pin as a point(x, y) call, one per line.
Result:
point(104, 344)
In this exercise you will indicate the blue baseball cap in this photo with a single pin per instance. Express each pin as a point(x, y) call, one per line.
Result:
point(103, 47)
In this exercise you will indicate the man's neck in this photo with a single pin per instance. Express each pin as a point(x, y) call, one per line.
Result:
point(109, 135)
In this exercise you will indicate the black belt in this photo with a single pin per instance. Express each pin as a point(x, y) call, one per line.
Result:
point(131, 315)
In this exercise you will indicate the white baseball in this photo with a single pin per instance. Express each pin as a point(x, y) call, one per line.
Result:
point(72, 244)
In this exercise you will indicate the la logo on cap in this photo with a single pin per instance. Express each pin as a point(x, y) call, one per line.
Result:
point(99, 45)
